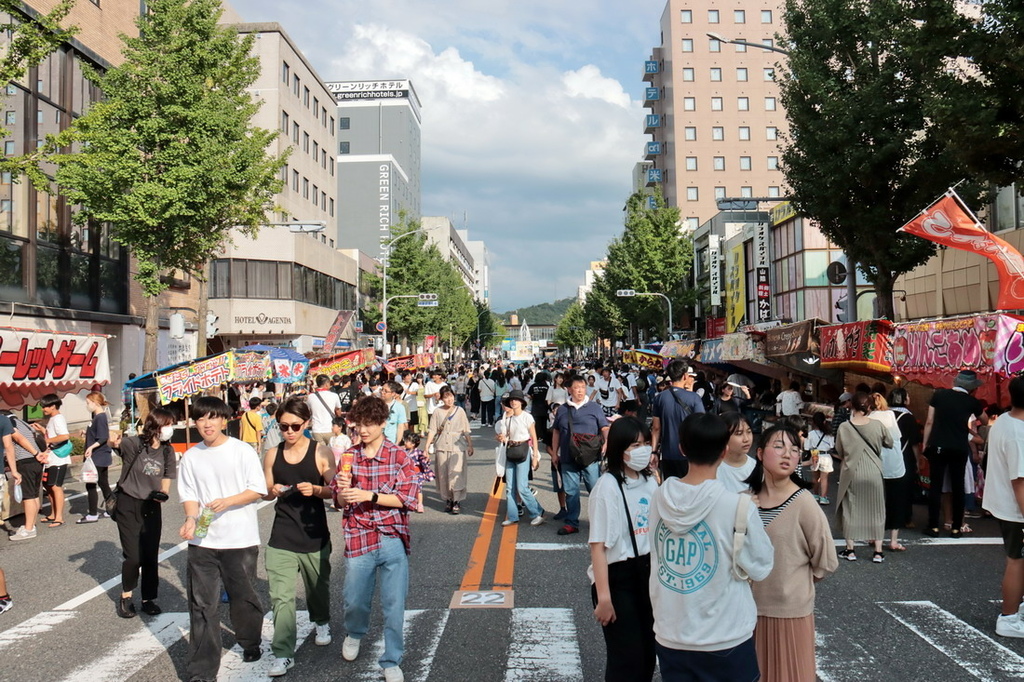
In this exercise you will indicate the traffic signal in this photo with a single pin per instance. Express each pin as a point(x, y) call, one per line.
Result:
point(428, 297)
point(211, 324)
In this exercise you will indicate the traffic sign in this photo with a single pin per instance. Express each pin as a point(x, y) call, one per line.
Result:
point(382, 327)
point(359, 326)
point(836, 272)
point(426, 304)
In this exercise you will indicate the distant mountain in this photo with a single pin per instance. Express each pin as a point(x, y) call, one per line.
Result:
point(542, 313)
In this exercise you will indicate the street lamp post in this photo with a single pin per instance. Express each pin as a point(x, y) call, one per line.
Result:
point(736, 41)
point(427, 300)
point(384, 274)
point(629, 293)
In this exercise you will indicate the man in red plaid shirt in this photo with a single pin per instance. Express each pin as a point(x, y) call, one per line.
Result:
point(378, 494)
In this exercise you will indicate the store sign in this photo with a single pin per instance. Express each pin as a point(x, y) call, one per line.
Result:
point(345, 363)
point(736, 288)
point(715, 269)
point(336, 330)
point(679, 349)
point(644, 359)
point(984, 343)
point(355, 90)
point(288, 371)
point(262, 319)
point(764, 295)
point(711, 351)
point(857, 345)
point(193, 378)
point(384, 211)
point(715, 327)
point(782, 212)
point(250, 366)
point(36, 362)
point(791, 339)
point(742, 346)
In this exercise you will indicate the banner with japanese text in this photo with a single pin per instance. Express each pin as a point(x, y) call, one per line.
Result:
point(679, 349)
point(735, 288)
point(250, 366)
point(337, 329)
point(36, 362)
point(864, 345)
point(193, 378)
point(645, 359)
point(344, 363)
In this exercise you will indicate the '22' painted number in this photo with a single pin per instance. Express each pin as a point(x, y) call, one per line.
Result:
point(483, 598)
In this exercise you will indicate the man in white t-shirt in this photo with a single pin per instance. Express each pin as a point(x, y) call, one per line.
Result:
point(433, 391)
point(1004, 499)
point(789, 403)
point(608, 392)
point(325, 406)
point(222, 475)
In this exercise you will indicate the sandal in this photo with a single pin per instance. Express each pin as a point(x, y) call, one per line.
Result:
point(897, 548)
point(48, 519)
point(877, 558)
point(966, 529)
point(55, 524)
point(848, 554)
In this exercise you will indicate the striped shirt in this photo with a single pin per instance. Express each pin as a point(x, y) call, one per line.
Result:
point(768, 515)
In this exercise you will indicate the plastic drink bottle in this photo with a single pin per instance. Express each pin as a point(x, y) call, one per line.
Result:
point(203, 524)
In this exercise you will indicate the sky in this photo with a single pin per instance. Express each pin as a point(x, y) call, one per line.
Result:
point(532, 116)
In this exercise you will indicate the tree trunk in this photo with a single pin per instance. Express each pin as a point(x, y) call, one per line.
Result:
point(883, 290)
point(201, 309)
point(149, 359)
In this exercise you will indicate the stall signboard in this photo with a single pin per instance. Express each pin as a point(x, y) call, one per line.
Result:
point(247, 367)
point(337, 329)
point(864, 345)
point(417, 361)
point(288, 371)
point(742, 346)
point(644, 359)
point(193, 378)
point(36, 362)
point(984, 343)
point(679, 349)
point(716, 327)
point(791, 339)
point(711, 351)
point(344, 363)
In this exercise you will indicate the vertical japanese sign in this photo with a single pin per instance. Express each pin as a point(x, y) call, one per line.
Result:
point(735, 288)
point(715, 268)
point(762, 261)
point(336, 330)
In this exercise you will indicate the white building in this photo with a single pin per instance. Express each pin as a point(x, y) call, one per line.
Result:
point(482, 267)
point(589, 277)
point(440, 232)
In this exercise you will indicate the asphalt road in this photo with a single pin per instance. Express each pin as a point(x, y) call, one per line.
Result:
point(927, 613)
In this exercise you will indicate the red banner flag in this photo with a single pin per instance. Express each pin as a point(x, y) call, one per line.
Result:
point(950, 223)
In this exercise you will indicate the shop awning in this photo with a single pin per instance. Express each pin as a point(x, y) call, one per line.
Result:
point(288, 365)
point(864, 346)
point(644, 358)
point(931, 352)
point(34, 362)
point(680, 349)
point(796, 346)
point(186, 379)
point(741, 352)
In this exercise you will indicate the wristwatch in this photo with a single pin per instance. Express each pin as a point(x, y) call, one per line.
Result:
point(373, 498)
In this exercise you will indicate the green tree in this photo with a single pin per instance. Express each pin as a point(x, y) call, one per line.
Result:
point(861, 157)
point(601, 311)
point(652, 255)
point(170, 158)
point(572, 333)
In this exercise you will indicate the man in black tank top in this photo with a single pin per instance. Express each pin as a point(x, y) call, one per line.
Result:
point(298, 472)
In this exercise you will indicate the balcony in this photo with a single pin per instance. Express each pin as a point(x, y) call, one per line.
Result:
point(652, 150)
point(651, 69)
point(652, 122)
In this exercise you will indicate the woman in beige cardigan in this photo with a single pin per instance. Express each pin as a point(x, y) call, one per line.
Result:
point(448, 430)
point(861, 508)
point(804, 554)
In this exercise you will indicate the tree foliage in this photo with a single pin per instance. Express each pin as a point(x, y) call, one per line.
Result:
point(170, 158)
point(601, 310)
point(572, 332)
point(861, 156)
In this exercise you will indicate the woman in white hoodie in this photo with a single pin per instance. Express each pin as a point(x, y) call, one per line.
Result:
point(704, 611)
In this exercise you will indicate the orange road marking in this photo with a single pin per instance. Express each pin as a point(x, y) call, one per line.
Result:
point(506, 557)
point(473, 576)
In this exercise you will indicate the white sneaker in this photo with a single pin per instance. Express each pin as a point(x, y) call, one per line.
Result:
point(22, 534)
point(281, 666)
point(350, 649)
point(394, 674)
point(537, 520)
point(1009, 626)
point(323, 634)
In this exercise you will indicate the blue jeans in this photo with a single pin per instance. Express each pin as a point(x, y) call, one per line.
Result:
point(571, 478)
point(360, 580)
point(517, 477)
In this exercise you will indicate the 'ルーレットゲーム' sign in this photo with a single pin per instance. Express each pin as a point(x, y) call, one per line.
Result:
point(36, 362)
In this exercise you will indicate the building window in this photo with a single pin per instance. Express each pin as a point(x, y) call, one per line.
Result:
point(716, 73)
point(323, 117)
point(719, 193)
point(739, 16)
point(712, 16)
point(296, 84)
point(769, 104)
point(316, 107)
point(331, 204)
point(717, 133)
point(316, 151)
point(771, 133)
point(693, 222)
point(344, 123)
point(769, 74)
point(746, 192)
point(286, 72)
point(714, 45)
point(689, 133)
point(745, 163)
point(741, 74)
point(9, 147)
point(766, 16)
point(744, 133)
point(687, 44)
point(305, 142)
point(11, 118)
point(741, 47)
point(331, 165)
point(743, 103)
point(343, 147)
point(316, 195)
point(323, 199)
point(688, 74)
point(686, 16)
point(285, 124)
point(305, 97)
point(295, 181)
point(773, 191)
point(773, 163)
point(295, 133)
point(689, 104)
point(332, 126)
point(768, 42)
point(691, 194)
point(284, 174)
point(305, 188)
point(719, 164)
point(716, 104)
point(691, 163)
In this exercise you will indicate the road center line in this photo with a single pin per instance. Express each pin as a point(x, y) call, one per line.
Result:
point(478, 555)
point(505, 569)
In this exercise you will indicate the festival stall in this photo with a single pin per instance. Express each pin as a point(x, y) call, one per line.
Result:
point(931, 352)
point(343, 363)
point(645, 359)
point(288, 366)
point(797, 347)
point(34, 362)
point(864, 346)
point(686, 350)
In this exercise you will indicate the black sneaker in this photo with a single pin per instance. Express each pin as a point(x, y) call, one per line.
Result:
point(252, 655)
point(456, 508)
point(126, 607)
point(448, 506)
point(150, 608)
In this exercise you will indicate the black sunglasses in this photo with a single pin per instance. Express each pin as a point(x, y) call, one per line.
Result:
point(289, 427)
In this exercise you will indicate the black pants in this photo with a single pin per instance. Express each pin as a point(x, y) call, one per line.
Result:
point(673, 467)
point(139, 523)
point(941, 461)
point(207, 570)
point(90, 490)
point(487, 412)
point(629, 639)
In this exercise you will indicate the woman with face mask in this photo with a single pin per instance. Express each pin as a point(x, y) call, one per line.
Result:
point(148, 465)
point(620, 552)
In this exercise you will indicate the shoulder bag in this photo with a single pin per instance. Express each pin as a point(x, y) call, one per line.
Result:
point(584, 448)
point(891, 457)
point(687, 410)
point(516, 451)
point(110, 503)
point(739, 536)
point(336, 411)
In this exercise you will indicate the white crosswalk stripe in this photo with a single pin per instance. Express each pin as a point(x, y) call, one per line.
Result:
point(543, 646)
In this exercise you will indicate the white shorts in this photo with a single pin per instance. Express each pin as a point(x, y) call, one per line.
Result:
point(824, 464)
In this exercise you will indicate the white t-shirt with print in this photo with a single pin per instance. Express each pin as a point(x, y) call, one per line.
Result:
point(1005, 464)
point(608, 517)
point(609, 387)
point(432, 388)
point(732, 478)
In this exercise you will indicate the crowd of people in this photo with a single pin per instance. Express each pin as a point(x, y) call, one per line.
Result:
point(707, 532)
